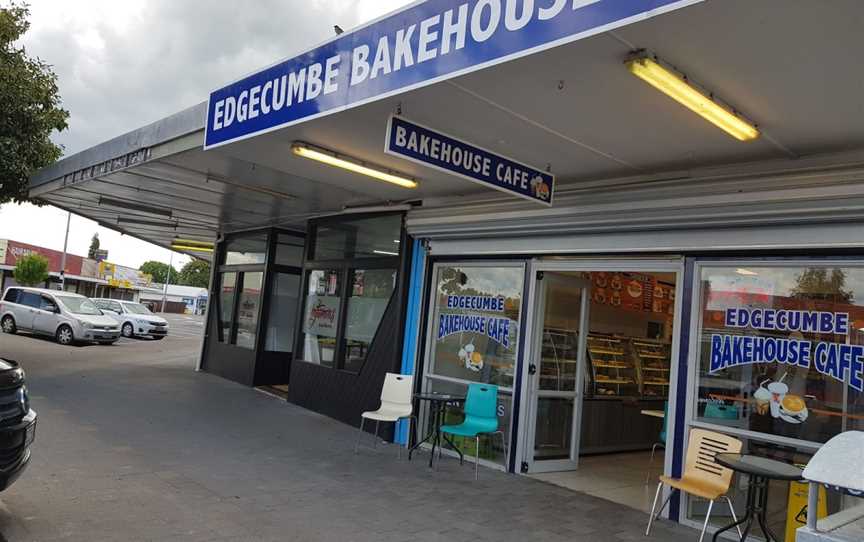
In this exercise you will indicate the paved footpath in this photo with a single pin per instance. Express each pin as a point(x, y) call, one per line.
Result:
point(133, 445)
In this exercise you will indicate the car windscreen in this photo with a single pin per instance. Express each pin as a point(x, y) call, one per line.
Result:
point(137, 308)
point(79, 305)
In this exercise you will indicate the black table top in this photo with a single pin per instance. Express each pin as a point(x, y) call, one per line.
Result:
point(449, 397)
point(760, 466)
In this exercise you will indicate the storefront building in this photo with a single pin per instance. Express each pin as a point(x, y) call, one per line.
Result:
point(618, 266)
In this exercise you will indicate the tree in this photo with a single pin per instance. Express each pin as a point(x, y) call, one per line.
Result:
point(31, 270)
point(94, 246)
point(195, 273)
point(30, 110)
point(158, 271)
point(816, 283)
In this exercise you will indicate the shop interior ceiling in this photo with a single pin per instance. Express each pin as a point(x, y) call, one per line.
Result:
point(792, 67)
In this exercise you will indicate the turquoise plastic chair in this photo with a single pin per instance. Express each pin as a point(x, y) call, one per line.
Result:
point(481, 418)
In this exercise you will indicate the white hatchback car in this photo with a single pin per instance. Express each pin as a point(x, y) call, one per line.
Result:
point(65, 316)
point(135, 319)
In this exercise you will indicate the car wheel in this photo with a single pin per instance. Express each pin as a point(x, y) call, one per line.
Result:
point(65, 335)
point(9, 325)
point(127, 330)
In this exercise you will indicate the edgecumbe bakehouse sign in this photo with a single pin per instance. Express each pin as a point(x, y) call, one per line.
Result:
point(426, 42)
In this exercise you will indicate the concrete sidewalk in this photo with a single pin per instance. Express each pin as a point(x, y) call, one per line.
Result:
point(134, 445)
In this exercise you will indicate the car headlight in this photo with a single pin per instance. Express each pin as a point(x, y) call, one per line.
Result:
point(87, 325)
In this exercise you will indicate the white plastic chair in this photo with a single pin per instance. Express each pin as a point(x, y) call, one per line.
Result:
point(396, 404)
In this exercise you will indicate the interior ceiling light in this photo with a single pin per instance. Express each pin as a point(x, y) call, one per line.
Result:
point(681, 90)
point(746, 272)
point(335, 159)
point(191, 248)
point(385, 252)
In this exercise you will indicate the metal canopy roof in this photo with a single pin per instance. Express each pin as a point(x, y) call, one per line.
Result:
point(789, 66)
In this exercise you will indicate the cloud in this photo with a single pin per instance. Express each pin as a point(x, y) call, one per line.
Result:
point(124, 64)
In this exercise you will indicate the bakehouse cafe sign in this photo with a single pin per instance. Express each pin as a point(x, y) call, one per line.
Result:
point(422, 44)
point(425, 146)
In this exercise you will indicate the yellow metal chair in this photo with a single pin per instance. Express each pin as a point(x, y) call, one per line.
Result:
point(703, 477)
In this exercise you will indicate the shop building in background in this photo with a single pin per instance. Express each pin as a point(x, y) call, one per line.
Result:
point(547, 222)
point(178, 299)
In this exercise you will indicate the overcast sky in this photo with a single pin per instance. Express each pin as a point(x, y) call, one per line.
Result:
point(124, 64)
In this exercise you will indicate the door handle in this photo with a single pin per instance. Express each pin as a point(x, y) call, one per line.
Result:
point(532, 369)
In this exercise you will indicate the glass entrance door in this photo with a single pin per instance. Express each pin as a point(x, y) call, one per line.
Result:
point(557, 368)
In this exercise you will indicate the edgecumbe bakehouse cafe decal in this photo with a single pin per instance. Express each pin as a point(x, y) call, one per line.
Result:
point(841, 362)
point(496, 328)
point(425, 146)
point(425, 43)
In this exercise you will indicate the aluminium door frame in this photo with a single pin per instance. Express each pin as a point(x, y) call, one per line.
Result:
point(535, 330)
point(635, 264)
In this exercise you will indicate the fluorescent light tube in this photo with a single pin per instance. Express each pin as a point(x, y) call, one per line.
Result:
point(680, 90)
point(354, 165)
point(191, 248)
point(385, 252)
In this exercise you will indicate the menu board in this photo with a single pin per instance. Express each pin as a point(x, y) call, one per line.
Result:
point(633, 291)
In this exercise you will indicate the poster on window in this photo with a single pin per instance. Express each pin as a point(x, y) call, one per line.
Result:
point(322, 314)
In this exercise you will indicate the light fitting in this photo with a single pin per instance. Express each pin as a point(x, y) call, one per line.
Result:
point(385, 252)
point(354, 165)
point(191, 248)
point(134, 206)
point(677, 87)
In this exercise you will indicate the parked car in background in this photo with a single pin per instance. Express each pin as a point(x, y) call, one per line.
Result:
point(135, 319)
point(65, 316)
point(17, 423)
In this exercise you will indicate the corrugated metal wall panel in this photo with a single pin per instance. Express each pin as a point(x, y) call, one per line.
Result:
point(756, 209)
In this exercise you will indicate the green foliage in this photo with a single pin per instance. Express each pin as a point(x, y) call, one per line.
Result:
point(31, 270)
point(195, 273)
point(817, 283)
point(94, 246)
point(30, 110)
point(158, 271)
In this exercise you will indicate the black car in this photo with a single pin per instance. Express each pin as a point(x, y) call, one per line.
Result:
point(17, 423)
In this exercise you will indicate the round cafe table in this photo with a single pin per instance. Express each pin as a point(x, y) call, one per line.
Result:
point(437, 406)
point(760, 471)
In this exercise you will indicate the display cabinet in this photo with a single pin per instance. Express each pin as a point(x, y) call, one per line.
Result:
point(613, 372)
point(653, 359)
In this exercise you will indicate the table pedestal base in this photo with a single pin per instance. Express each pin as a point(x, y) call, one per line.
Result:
point(435, 435)
point(757, 507)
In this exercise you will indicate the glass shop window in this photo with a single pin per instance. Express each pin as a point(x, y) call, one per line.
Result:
point(247, 310)
point(289, 250)
point(284, 300)
point(370, 293)
point(246, 250)
point(475, 323)
point(376, 237)
point(782, 350)
point(322, 316)
point(226, 306)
